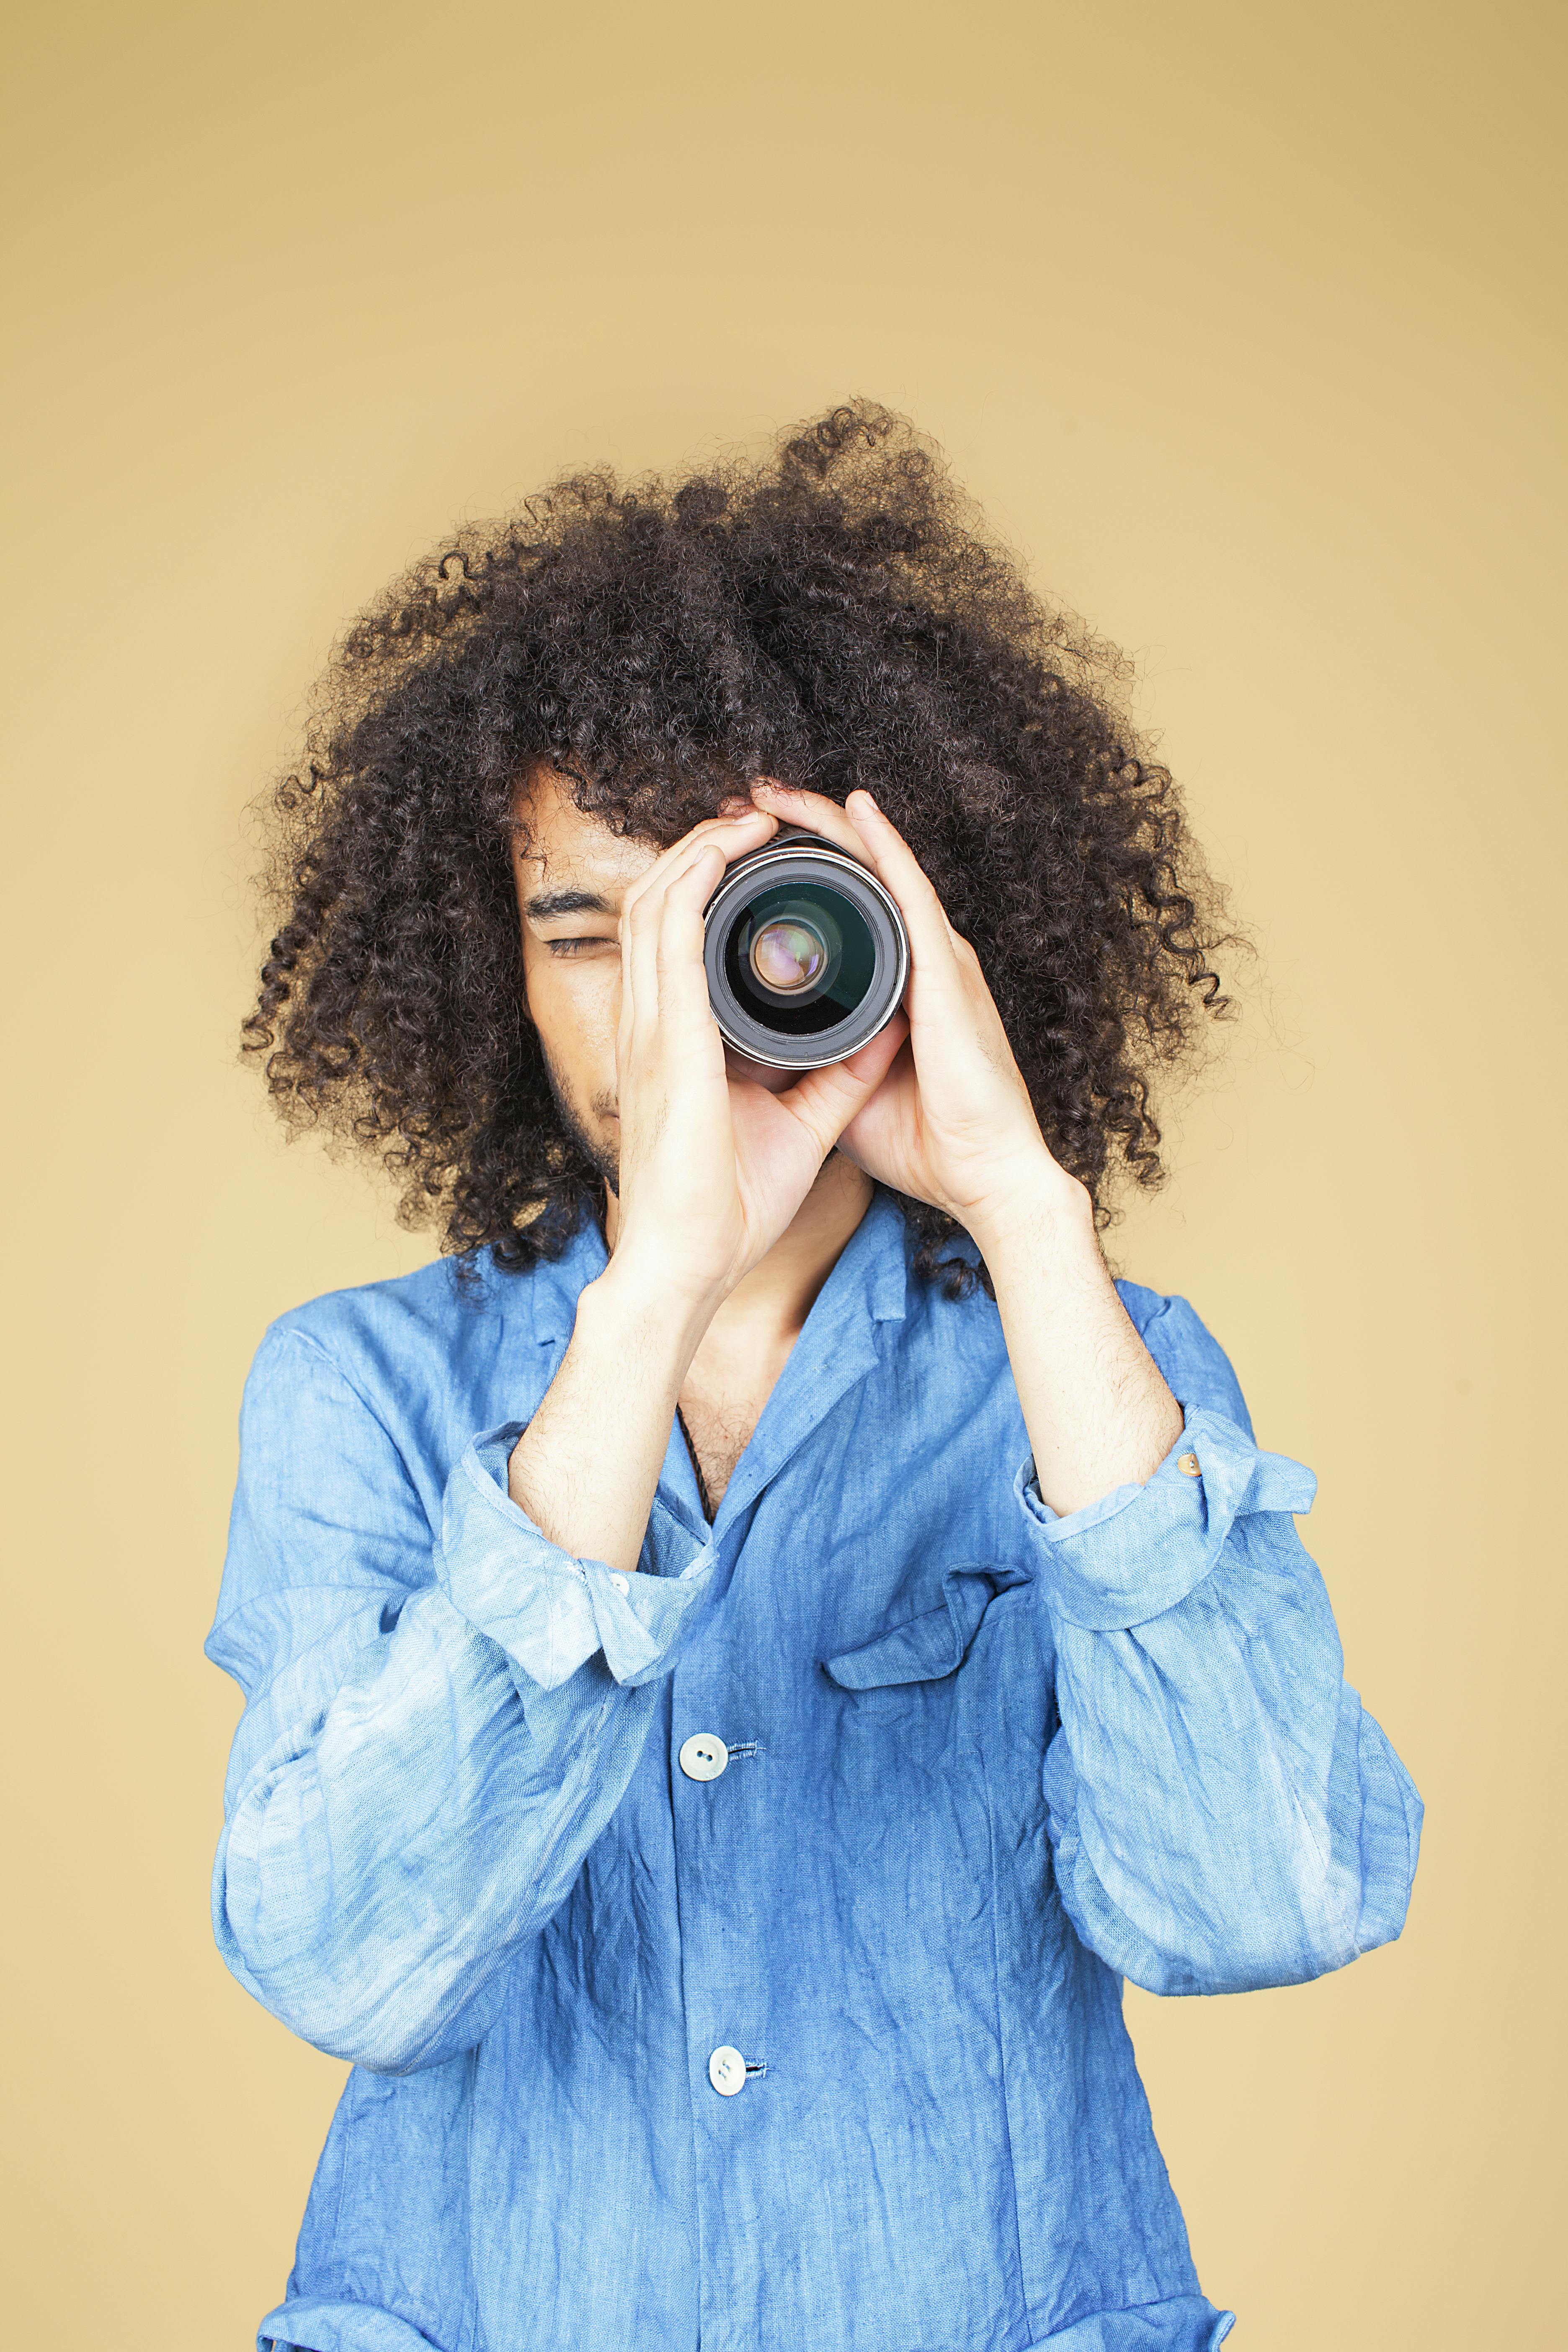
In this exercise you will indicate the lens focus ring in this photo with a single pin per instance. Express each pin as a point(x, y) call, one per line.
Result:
point(805, 954)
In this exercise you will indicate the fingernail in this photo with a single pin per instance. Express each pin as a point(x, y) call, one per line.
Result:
point(871, 801)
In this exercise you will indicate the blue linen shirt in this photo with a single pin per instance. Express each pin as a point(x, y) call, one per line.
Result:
point(985, 1762)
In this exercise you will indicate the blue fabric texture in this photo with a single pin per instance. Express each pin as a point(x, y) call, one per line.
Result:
point(988, 1762)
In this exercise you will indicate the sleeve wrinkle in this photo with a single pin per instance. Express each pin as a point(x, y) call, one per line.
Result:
point(259, 1602)
point(1216, 1800)
point(374, 1764)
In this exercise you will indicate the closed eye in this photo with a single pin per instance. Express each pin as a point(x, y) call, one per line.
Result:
point(575, 946)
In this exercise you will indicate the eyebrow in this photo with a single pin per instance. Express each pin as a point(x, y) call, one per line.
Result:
point(548, 903)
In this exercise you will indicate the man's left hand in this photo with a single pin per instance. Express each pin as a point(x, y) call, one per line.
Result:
point(952, 1123)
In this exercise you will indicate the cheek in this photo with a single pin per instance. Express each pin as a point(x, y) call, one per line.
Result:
point(574, 1007)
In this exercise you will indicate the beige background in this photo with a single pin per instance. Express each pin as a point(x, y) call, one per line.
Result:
point(1240, 321)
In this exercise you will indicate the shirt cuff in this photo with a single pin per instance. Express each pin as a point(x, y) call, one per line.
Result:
point(548, 1611)
point(1140, 1549)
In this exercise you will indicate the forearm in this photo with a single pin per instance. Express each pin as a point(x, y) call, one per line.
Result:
point(586, 1466)
point(1099, 1412)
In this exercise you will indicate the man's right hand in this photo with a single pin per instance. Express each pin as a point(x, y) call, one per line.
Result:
point(717, 1154)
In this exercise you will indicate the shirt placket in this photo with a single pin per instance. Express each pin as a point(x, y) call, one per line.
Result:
point(729, 1783)
point(718, 1778)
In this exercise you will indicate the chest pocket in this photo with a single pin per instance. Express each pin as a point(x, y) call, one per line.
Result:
point(926, 1647)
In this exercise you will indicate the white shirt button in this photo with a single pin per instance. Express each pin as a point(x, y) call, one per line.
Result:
point(727, 2071)
point(618, 1580)
point(703, 1757)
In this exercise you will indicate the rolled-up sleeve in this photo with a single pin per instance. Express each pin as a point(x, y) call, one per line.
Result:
point(439, 1720)
point(1224, 1812)
point(548, 1611)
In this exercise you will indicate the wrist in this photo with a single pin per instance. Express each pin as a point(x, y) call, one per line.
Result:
point(1040, 1210)
point(634, 1308)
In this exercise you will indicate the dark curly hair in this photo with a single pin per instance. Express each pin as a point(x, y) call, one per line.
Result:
point(832, 616)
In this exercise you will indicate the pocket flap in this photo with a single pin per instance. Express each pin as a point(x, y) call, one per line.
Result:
point(935, 1643)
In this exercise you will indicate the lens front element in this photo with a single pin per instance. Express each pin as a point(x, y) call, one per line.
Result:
point(787, 956)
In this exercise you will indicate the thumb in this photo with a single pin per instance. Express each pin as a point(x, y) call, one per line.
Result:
point(825, 1101)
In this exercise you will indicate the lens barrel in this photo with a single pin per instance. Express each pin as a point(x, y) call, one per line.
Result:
point(805, 953)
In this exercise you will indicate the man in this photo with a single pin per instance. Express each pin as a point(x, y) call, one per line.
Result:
point(742, 1664)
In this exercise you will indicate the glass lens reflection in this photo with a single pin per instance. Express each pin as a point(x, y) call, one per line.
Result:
point(788, 956)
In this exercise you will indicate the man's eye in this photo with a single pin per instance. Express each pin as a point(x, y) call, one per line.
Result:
point(575, 947)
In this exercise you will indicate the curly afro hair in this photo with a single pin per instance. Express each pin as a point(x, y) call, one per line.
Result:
point(832, 615)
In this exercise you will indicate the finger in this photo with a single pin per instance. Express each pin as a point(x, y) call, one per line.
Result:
point(639, 907)
point(736, 835)
point(813, 810)
point(825, 1101)
point(683, 1005)
point(690, 870)
point(931, 936)
point(684, 890)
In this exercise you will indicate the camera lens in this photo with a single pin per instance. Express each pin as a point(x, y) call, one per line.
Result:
point(805, 952)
